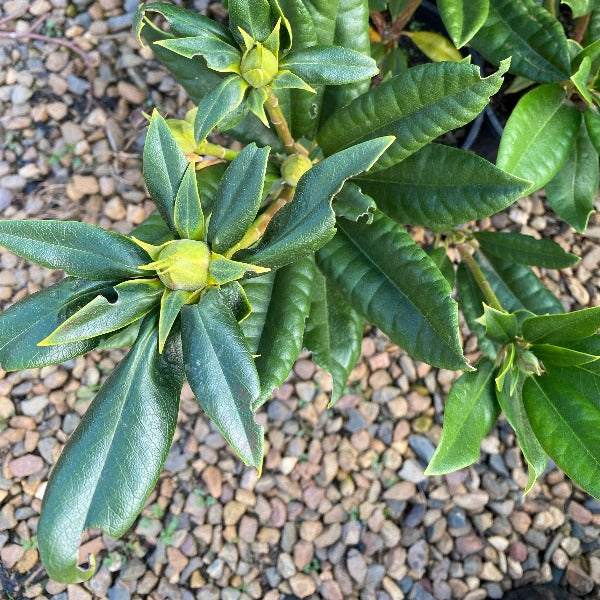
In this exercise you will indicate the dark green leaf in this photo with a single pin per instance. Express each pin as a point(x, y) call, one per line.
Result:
point(329, 65)
point(461, 188)
point(443, 263)
point(499, 326)
point(417, 106)
point(171, 303)
point(124, 338)
point(111, 463)
point(224, 270)
point(164, 167)
point(253, 16)
point(513, 408)
point(30, 320)
point(79, 249)
point(209, 180)
point(307, 223)
point(276, 326)
point(334, 332)
point(463, 18)
point(105, 313)
point(562, 357)
point(235, 296)
point(544, 125)
point(238, 198)
point(153, 230)
point(353, 205)
point(530, 35)
point(592, 122)
point(188, 217)
point(222, 373)
point(397, 287)
point(470, 411)
point(559, 329)
point(518, 287)
point(573, 190)
point(218, 104)
point(566, 423)
point(525, 250)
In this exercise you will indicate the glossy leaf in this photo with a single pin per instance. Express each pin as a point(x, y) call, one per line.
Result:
point(518, 287)
point(235, 296)
point(580, 79)
point(171, 303)
point(574, 189)
point(111, 463)
point(334, 332)
point(542, 124)
point(530, 35)
point(29, 321)
point(153, 230)
point(434, 46)
point(499, 326)
point(525, 250)
point(566, 423)
point(238, 198)
point(277, 327)
point(592, 122)
point(188, 215)
point(219, 55)
point(329, 65)
point(123, 338)
point(562, 357)
point(416, 106)
point(513, 408)
point(79, 249)
point(307, 223)
point(443, 263)
point(560, 329)
point(224, 270)
point(253, 16)
point(105, 313)
point(164, 167)
point(463, 18)
point(259, 291)
point(393, 283)
point(218, 104)
point(353, 205)
point(461, 188)
point(222, 373)
point(470, 411)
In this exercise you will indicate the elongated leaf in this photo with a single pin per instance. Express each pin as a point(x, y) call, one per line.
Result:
point(434, 46)
point(581, 7)
point(259, 291)
point(79, 249)
point(580, 79)
point(209, 180)
point(499, 326)
point(224, 270)
point(123, 338)
point(353, 205)
point(463, 18)
point(592, 122)
point(308, 222)
point(103, 314)
point(461, 188)
point(219, 55)
point(530, 34)
point(222, 373)
point(513, 408)
point(396, 286)
point(573, 190)
point(443, 263)
point(518, 287)
point(30, 320)
point(333, 334)
point(236, 298)
point(329, 65)
point(220, 102)
point(525, 250)
point(164, 167)
point(153, 230)
point(417, 106)
point(566, 423)
point(111, 463)
point(282, 317)
point(171, 303)
point(188, 215)
point(541, 125)
point(238, 198)
point(560, 329)
point(253, 16)
point(470, 411)
point(562, 357)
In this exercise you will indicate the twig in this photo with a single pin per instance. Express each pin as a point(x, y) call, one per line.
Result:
point(405, 16)
point(482, 282)
point(581, 26)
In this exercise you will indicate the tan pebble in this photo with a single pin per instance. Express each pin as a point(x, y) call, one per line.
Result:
point(212, 478)
point(82, 185)
point(303, 554)
point(579, 513)
point(7, 408)
point(11, 554)
point(77, 592)
point(26, 465)
point(233, 512)
point(302, 585)
point(114, 209)
point(131, 93)
point(404, 490)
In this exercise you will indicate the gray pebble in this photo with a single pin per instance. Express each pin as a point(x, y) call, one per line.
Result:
point(422, 447)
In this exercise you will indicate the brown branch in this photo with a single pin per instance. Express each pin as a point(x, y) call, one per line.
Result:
point(581, 26)
point(405, 16)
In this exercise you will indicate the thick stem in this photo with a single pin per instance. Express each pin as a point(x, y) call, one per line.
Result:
point(482, 282)
point(405, 16)
point(581, 26)
point(279, 122)
point(209, 149)
point(551, 5)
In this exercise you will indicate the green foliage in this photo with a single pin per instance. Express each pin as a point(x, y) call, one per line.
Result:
point(301, 237)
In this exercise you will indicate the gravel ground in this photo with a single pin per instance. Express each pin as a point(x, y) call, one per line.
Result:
point(343, 509)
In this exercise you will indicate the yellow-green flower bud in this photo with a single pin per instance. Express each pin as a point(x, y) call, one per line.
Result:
point(183, 265)
point(293, 167)
point(530, 363)
point(259, 66)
